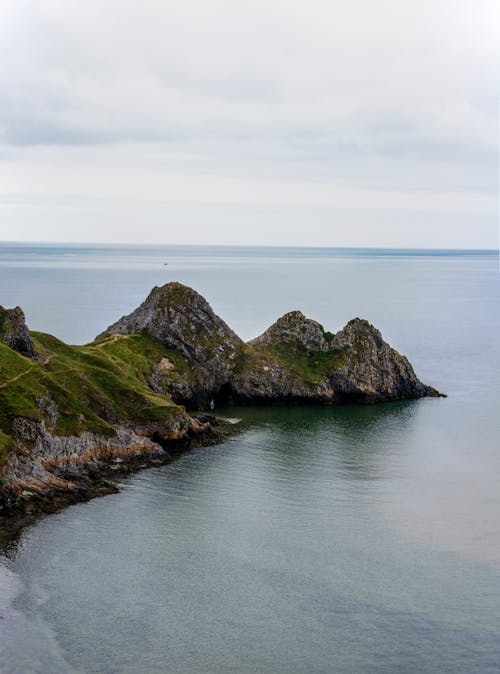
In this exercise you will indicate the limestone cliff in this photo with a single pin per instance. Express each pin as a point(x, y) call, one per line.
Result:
point(43, 465)
point(294, 360)
point(183, 320)
point(370, 370)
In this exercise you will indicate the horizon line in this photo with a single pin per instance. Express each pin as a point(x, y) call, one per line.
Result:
point(246, 245)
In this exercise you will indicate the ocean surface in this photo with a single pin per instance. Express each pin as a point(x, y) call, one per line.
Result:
point(353, 539)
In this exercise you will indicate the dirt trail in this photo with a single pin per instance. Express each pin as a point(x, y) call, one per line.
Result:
point(22, 374)
point(18, 376)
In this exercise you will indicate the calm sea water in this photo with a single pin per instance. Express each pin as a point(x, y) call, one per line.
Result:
point(354, 539)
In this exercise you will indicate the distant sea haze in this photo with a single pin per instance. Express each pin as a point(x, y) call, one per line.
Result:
point(348, 539)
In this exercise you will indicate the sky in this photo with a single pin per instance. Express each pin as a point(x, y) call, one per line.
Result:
point(275, 122)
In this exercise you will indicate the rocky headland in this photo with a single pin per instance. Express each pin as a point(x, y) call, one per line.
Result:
point(70, 415)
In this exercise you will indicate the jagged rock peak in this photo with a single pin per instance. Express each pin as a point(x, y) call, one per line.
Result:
point(14, 331)
point(372, 368)
point(357, 328)
point(181, 318)
point(295, 328)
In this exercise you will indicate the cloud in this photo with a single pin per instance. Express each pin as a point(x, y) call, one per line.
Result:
point(359, 96)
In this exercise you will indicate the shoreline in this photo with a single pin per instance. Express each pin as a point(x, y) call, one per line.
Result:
point(70, 417)
point(93, 479)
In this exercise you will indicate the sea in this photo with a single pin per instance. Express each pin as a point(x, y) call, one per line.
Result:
point(355, 539)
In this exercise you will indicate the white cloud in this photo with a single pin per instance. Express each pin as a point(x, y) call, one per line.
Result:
point(207, 111)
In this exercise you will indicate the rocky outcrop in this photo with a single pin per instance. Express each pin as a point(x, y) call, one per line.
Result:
point(44, 466)
point(294, 360)
point(370, 370)
point(268, 382)
point(183, 320)
point(77, 413)
point(14, 331)
point(294, 328)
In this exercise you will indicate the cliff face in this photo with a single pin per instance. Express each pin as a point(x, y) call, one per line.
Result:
point(77, 412)
point(14, 331)
point(44, 466)
point(183, 320)
point(71, 413)
point(295, 329)
point(297, 361)
point(371, 370)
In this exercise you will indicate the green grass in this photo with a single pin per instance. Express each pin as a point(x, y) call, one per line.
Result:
point(311, 366)
point(83, 388)
point(107, 382)
point(5, 442)
point(3, 316)
point(159, 412)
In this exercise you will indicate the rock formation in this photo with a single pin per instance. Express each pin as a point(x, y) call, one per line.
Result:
point(14, 331)
point(184, 321)
point(75, 412)
point(371, 370)
point(294, 360)
point(295, 329)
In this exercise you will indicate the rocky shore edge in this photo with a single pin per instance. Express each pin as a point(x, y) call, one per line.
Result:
point(72, 469)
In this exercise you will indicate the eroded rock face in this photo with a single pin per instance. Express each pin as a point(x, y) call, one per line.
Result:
point(44, 466)
point(270, 382)
point(294, 328)
point(294, 360)
point(182, 319)
point(14, 331)
point(354, 365)
point(370, 370)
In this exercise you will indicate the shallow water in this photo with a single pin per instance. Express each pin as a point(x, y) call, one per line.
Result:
point(353, 539)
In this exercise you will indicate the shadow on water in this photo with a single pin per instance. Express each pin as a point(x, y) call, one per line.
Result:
point(11, 533)
point(358, 436)
point(302, 442)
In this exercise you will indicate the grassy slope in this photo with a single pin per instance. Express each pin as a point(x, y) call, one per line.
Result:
point(106, 381)
point(3, 315)
point(298, 362)
point(92, 386)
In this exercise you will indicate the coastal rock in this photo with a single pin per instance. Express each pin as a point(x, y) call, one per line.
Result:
point(294, 328)
point(80, 411)
point(294, 360)
point(296, 363)
point(270, 382)
point(43, 465)
point(183, 320)
point(14, 331)
point(370, 370)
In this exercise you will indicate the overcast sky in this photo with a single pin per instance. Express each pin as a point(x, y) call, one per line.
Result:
point(362, 122)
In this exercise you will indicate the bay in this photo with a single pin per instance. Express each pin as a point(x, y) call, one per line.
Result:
point(353, 539)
